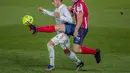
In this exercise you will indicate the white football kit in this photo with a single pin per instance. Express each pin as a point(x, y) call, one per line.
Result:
point(65, 17)
point(60, 38)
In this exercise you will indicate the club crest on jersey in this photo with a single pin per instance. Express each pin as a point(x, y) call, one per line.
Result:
point(79, 8)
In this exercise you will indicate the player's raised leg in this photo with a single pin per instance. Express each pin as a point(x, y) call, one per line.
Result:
point(47, 29)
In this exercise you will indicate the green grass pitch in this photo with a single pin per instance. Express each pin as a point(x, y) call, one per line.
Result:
point(20, 52)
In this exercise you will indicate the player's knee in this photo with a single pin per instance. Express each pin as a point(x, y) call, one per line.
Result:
point(60, 27)
point(50, 44)
point(67, 51)
point(76, 50)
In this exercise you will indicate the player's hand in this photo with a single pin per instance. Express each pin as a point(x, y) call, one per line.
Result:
point(70, 10)
point(69, 7)
point(57, 14)
point(76, 33)
point(40, 9)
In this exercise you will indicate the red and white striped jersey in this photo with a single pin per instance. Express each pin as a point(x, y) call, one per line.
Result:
point(80, 6)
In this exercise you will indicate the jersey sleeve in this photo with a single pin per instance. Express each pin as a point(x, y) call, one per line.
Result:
point(66, 16)
point(48, 12)
point(80, 8)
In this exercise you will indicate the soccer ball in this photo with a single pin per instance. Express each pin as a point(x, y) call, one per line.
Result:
point(27, 18)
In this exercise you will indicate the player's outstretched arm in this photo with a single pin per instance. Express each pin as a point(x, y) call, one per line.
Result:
point(40, 9)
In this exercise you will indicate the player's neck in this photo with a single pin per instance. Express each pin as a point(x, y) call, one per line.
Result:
point(76, 1)
point(59, 5)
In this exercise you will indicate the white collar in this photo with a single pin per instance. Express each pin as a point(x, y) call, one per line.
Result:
point(61, 6)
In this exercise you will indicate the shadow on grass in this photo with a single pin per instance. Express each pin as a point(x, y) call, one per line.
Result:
point(90, 70)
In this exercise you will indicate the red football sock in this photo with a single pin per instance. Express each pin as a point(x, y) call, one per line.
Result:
point(50, 28)
point(86, 50)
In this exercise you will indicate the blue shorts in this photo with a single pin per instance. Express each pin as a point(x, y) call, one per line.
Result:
point(69, 30)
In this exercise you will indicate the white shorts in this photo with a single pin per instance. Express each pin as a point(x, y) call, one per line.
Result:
point(61, 39)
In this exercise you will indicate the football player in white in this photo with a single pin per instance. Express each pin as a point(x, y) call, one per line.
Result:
point(61, 15)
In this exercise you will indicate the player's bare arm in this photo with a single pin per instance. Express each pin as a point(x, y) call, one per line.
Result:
point(79, 22)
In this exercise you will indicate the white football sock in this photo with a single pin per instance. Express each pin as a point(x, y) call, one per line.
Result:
point(73, 57)
point(51, 54)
